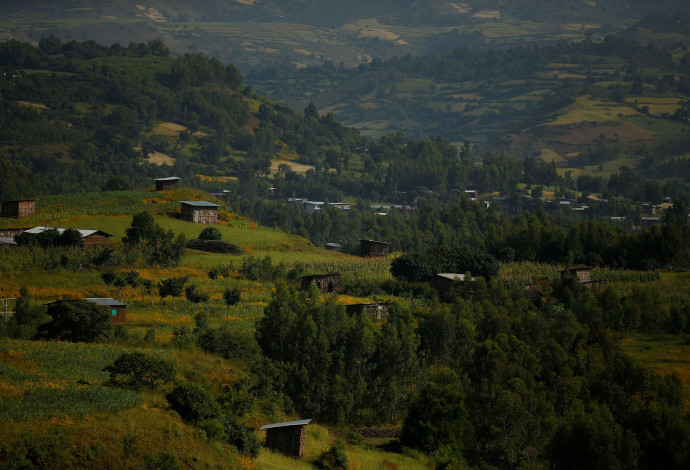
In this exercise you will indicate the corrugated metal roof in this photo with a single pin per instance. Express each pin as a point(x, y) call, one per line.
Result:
point(452, 276)
point(169, 178)
point(108, 302)
point(301, 422)
point(373, 241)
point(83, 232)
point(200, 203)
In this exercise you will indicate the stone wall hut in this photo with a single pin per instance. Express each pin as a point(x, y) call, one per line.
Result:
point(118, 310)
point(326, 283)
point(201, 212)
point(89, 238)
point(20, 208)
point(171, 183)
point(374, 249)
point(376, 310)
point(287, 438)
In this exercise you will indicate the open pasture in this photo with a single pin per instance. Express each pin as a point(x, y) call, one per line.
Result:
point(589, 109)
point(665, 354)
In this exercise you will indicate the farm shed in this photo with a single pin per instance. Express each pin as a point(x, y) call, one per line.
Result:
point(89, 238)
point(584, 277)
point(333, 246)
point(287, 438)
point(327, 283)
point(374, 249)
point(201, 212)
point(167, 184)
point(118, 309)
point(7, 241)
point(20, 208)
point(443, 283)
point(376, 310)
point(11, 232)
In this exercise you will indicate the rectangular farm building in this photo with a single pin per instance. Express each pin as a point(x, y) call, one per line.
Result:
point(21, 208)
point(118, 310)
point(171, 183)
point(201, 212)
point(89, 238)
point(287, 438)
point(374, 249)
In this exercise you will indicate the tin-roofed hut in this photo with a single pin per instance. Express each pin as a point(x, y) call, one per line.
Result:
point(20, 208)
point(287, 438)
point(374, 249)
point(201, 212)
point(171, 183)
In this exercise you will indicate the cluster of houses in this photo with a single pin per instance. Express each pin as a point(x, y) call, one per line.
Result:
point(318, 206)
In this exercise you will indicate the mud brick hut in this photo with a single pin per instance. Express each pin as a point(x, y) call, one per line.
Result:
point(374, 249)
point(376, 310)
point(326, 283)
point(287, 438)
point(20, 208)
point(171, 183)
point(201, 212)
point(118, 310)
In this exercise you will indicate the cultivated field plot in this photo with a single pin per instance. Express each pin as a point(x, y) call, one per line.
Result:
point(665, 354)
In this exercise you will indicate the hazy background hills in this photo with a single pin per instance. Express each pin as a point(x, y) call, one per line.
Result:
point(253, 33)
point(487, 72)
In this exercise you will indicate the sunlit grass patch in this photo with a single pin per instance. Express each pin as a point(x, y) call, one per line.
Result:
point(663, 353)
point(587, 109)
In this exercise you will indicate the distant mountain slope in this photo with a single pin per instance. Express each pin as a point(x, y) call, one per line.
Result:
point(254, 33)
point(492, 97)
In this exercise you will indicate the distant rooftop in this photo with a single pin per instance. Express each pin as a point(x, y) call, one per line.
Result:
point(301, 422)
point(107, 302)
point(169, 178)
point(200, 203)
point(83, 232)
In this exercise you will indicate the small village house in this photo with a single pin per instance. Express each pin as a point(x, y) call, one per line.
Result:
point(376, 310)
point(374, 249)
point(288, 438)
point(201, 212)
point(326, 283)
point(19, 208)
point(89, 238)
point(171, 183)
point(584, 277)
point(443, 283)
point(118, 310)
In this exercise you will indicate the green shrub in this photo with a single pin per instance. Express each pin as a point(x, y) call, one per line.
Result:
point(137, 370)
point(162, 461)
point(231, 344)
point(242, 437)
point(76, 320)
point(210, 233)
point(182, 337)
point(193, 403)
point(213, 428)
point(334, 458)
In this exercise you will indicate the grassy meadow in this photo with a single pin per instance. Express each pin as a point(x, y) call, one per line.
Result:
point(53, 393)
